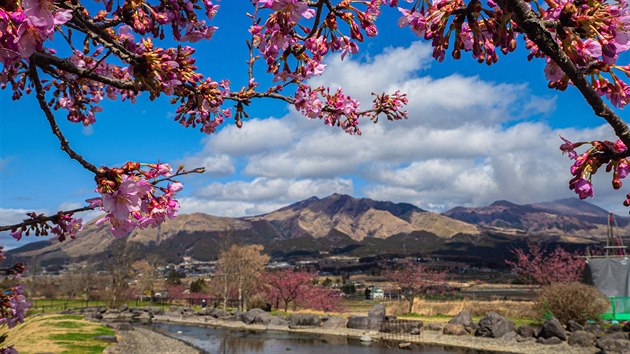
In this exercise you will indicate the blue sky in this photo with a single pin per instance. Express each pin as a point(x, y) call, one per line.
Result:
point(475, 134)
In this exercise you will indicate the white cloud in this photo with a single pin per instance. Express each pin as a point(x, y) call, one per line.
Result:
point(261, 195)
point(215, 165)
point(467, 142)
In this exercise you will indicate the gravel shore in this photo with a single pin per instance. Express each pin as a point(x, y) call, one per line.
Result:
point(427, 337)
point(144, 341)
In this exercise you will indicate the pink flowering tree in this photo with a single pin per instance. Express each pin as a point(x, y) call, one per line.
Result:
point(534, 265)
point(299, 289)
point(415, 280)
point(115, 53)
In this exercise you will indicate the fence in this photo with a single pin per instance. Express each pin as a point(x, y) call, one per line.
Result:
point(400, 330)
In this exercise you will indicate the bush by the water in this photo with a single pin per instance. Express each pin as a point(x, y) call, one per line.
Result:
point(571, 301)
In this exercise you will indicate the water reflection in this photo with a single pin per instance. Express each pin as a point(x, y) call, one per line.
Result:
point(225, 341)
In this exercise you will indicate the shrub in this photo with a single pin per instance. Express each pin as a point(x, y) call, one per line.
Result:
point(571, 301)
point(257, 302)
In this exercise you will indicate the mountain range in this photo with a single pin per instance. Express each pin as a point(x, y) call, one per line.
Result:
point(341, 224)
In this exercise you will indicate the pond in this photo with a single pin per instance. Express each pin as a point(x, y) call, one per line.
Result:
point(226, 341)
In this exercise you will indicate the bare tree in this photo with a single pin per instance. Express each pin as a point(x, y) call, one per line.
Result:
point(242, 265)
point(147, 275)
point(120, 271)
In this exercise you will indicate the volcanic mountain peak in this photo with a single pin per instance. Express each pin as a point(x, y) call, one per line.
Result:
point(359, 218)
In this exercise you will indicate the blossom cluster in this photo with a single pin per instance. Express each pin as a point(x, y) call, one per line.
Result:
point(593, 35)
point(13, 304)
point(63, 225)
point(25, 25)
point(588, 163)
point(131, 198)
point(282, 37)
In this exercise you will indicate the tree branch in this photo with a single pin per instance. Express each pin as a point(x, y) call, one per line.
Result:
point(65, 146)
point(42, 59)
point(42, 219)
point(536, 31)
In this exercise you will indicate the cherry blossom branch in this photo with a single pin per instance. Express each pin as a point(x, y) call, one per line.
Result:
point(43, 219)
point(43, 59)
point(65, 145)
point(180, 173)
point(537, 32)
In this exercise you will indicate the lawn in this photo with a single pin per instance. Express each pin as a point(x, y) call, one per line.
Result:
point(53, 306)
point(65, 334)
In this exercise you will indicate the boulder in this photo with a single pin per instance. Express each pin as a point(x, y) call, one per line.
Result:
point(614, 328)
point(145, 318)
point(218, 313)
point(357, 322)
point(594, 328)
point(494, 326)
point(573, 326)
point(549, 341)
point(552, 328)
point(405, 345)
point(376, 316)
point(121, 326)
point(106, 338)
point(335, 322)
point(415, 331)
point(435, 326)
point(102, 309)
point(366, 338)
point(123, 308)
point(277, 321)
point(250, 316)
point(400, 326)
point(97, 316)
point(613, 346)
point(617, 335)
point(581, 339)
point(526, 331)
point(463, 318)
point(304, 320)
point(390, 317)
point(455, 330)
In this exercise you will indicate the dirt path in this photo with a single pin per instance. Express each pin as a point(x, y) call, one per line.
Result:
point(144, 341)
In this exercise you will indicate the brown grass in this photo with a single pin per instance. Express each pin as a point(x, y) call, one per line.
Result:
point(47, 334)
point(435, 308)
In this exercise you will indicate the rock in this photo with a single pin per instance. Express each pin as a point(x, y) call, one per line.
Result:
point(390, 318)
point(102, 309)
point(526, 331)
point(617, 335)
point(217, 313)
point(106, 338)
point(366, 338)
point(614, 328)
point(510, 336)
point(250, 316)
point(455, 330)
point(612, 345)
point(97, 315)
point(203, 312)
point(573, 326)
point(435, 326)
point(463, 318)
point(123, 308)
point(335, 322)
point(626, 327)
point(376, 316)
point(552, 328)
point(405, 345)
point(400, 326)
point(549, 341)
point(121, 326)
point(304, 320)
point(277, 321)
point(526, 340)
point(415, 331)
point(593, 328)
point(581, 339)
point(145, 318)
point(494, 326)
point(357, 322)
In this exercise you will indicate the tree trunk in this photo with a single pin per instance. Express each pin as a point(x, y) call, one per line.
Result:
point(410, 300)
point(225, 292)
